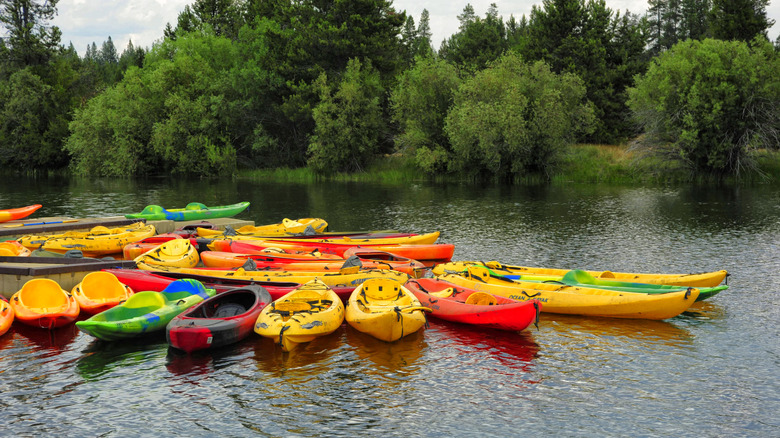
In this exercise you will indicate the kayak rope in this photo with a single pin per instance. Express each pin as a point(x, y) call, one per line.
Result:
point(688, 293)
point(281, 333)
point(538, 310)
point(531, 296)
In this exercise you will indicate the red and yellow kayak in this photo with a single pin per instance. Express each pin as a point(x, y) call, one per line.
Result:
point(219, 259)
point(450, 302)
point(11, 214)
point(42, 303)
point(12, 248)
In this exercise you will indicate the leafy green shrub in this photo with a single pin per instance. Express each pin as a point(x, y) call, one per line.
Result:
point(710, 104)
point(515, 118)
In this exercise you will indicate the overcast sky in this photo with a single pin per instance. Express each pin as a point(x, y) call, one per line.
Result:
point(142, 21)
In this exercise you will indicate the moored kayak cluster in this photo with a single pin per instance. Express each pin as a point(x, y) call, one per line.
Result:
point(294, 281)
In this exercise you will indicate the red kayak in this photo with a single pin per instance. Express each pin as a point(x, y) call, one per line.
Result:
point(458, 304)
point(428, 254)
point(141, 280)
point(221, 320)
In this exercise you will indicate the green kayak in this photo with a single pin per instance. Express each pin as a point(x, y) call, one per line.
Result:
point(145, 312)
point(192, 212)
point(580, 278)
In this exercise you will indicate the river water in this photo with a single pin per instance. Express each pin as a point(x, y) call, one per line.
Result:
point(713, 371)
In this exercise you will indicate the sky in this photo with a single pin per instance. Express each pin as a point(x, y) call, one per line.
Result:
point(83, 22)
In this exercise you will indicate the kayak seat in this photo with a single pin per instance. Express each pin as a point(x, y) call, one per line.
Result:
point(228, 310)
point(481, 299)
point(381, 289)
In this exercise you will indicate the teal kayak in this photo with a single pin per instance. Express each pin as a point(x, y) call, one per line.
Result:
point(580, 278)
point(146, 312)
point(192, 212)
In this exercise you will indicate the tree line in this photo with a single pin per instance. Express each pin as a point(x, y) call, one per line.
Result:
point(333, 84)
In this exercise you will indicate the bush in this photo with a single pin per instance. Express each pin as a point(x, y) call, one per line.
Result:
point(515, 118)
point(710, 104)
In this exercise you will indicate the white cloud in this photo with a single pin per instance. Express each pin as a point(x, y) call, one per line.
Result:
point(85, 21)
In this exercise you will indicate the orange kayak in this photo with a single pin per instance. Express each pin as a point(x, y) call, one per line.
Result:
point(6, 316)
point(18, 213)
point(42, 303)
point(12, 248)
point(220, 259)
point(135, 249)
point(100, 291)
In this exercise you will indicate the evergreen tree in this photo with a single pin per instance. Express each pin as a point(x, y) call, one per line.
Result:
point(31, 41)
point(107, 53)
point(740, 20)
point(423, 43)
point(695, 19)
point(478, 41)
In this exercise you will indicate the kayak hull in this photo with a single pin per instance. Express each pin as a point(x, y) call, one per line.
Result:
point(221, 320)
point(459, 305)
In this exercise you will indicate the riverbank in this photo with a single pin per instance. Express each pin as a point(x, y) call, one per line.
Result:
point(582, 163)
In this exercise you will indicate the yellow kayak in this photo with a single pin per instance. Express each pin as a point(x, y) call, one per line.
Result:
point(575, 300)
point(385, 309)
point(704, 279)
point(98, 241)
point(286, 227)
point(347, 277)
point(176, 252)
point(311, 311)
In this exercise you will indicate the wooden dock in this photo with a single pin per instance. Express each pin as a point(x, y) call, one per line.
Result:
point(68, 272)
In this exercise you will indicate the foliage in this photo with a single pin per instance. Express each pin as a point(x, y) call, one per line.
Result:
point(603, 49)
point(30, 40)
point(478, 41)
point(711, 104)
point(32, 123)
point(739, 19)
point(348, 119)
point(420, 103)
point(515, 118)
point(166, 117)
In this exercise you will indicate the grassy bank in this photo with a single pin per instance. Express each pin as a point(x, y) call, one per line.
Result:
point(582, 163)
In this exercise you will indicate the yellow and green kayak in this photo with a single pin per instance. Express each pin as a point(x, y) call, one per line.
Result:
point(704, 279)
point(577, 300)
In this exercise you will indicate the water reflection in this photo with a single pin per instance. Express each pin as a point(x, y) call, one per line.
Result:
point(303, 363)
point(401, 355)
point(198, 363)
point(49, 340)
point(103, 357)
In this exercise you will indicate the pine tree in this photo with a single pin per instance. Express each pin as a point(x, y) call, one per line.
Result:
point(31, 40)
point(739, 20)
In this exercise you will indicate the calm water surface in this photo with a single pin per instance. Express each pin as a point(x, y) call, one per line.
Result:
point(713, 371)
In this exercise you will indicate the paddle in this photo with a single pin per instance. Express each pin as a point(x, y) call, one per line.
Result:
point(27, 224)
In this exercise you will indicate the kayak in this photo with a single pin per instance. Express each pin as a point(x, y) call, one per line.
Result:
point(99, 241)
point(145, 312)
point(270, 253)
point(581, 278)
point(223, 319)
point(10, 214)
point(574, 300)
point(330, 278)
point(311, 311)
point(158, 280)
point(704, 279)
point(460, 304)
point(43, 303)
point(12, 248)
point(427, 254)
point(220, 259)
point(385, 309)
point(192, 212)
point(392, 239)
point(287, 227)
point(133, 250)
point(175, 252)
point(100, 291)
point(6, 316)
